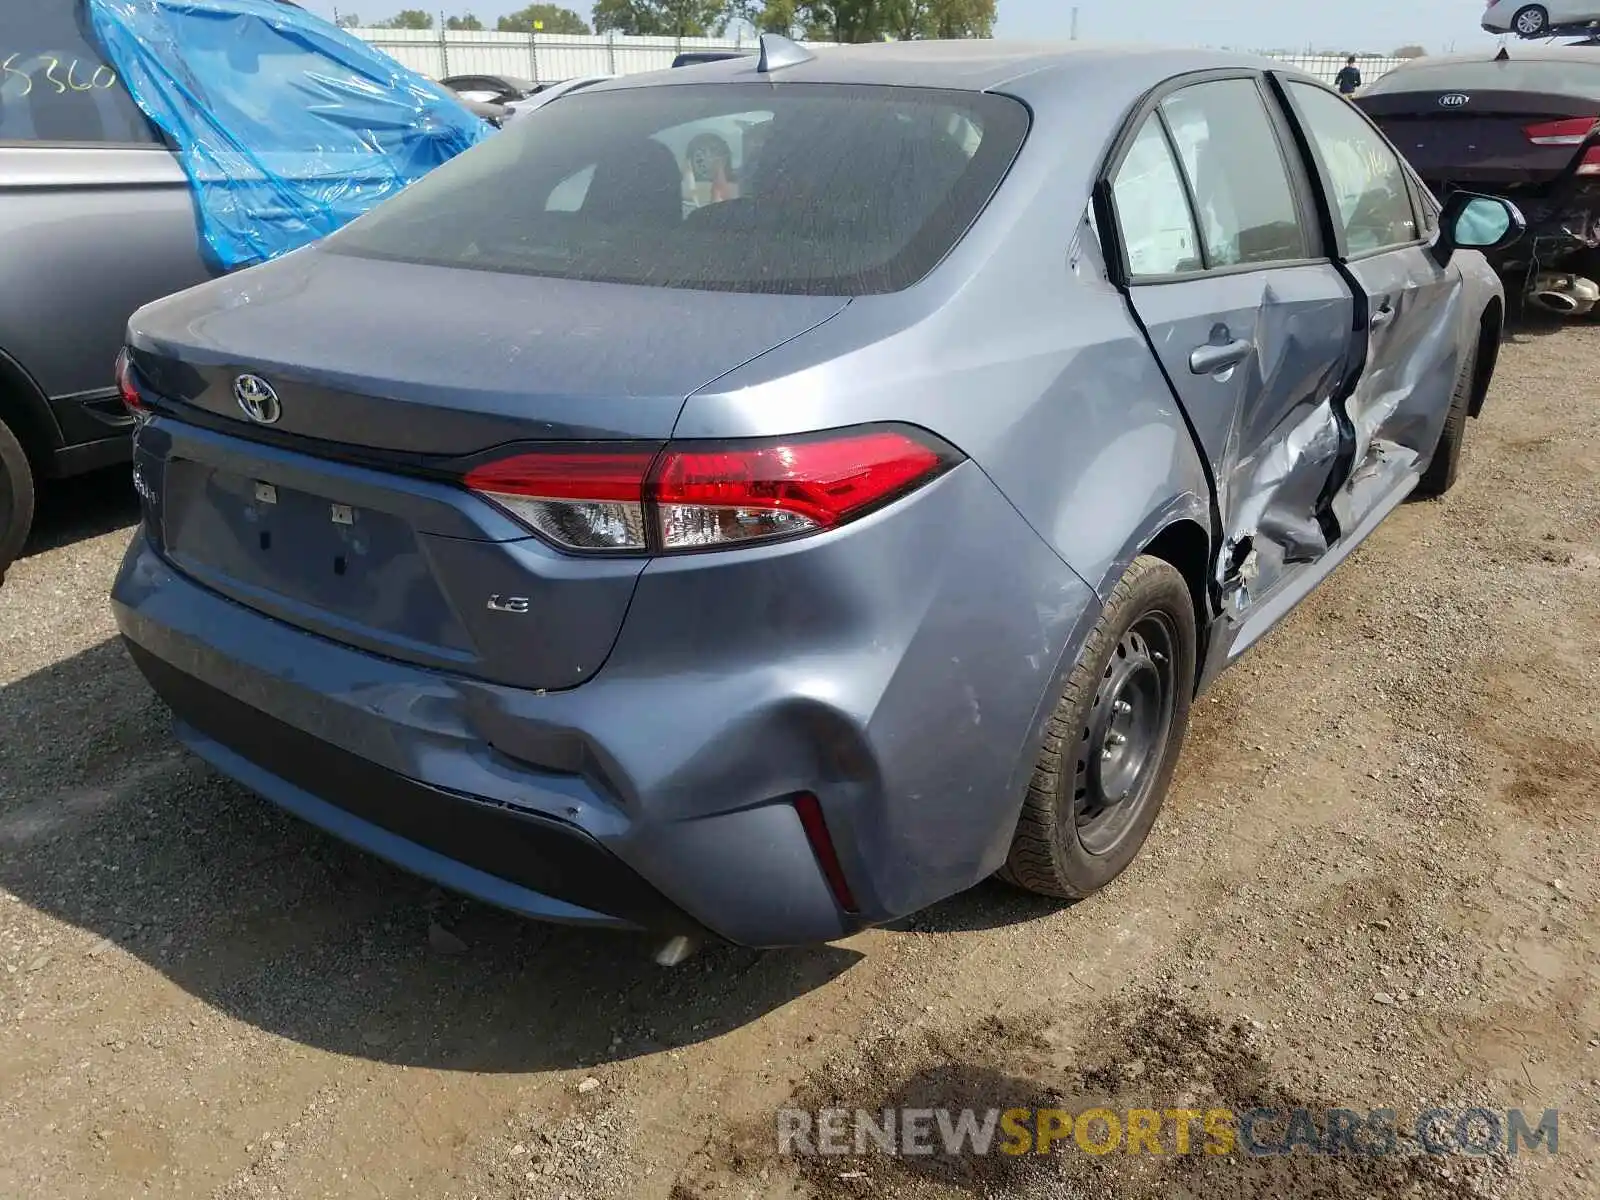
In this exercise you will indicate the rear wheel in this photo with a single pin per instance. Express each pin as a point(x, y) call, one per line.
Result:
point(1531, 21)
point(1112, 743)
point(1442, 472)
point(16, 498)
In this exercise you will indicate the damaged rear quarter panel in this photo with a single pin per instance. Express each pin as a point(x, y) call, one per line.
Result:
point(1059, 402)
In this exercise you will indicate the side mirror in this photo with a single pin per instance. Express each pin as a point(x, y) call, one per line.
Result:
point(1473, 222)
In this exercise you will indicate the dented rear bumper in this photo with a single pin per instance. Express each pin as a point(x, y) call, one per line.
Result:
point(738, 681)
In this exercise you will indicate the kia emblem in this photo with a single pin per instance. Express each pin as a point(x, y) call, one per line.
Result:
point(1453, 99)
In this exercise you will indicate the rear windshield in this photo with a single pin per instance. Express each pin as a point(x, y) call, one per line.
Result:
point(1553, 78)
point(813, 189)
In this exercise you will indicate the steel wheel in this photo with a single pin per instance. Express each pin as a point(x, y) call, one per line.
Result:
point(1109, 748)
point(1122, 746)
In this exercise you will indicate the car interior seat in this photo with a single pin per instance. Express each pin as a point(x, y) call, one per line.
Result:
point(641, 185)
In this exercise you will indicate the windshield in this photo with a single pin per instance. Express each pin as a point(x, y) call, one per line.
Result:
point(806, 189)
point(1558, 78)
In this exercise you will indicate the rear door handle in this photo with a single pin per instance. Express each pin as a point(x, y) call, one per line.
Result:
point(1212, 358)
point(1382, 318)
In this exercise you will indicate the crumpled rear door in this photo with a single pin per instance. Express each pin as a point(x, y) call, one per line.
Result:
point(1257, 360)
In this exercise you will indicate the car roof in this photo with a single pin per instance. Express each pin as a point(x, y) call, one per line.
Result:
point(1539, 53)
point(486, 75)
point(975, 64)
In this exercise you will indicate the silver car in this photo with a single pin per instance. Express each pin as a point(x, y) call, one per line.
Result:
point(96, 219)
point(780, 560)
point(1543, 19)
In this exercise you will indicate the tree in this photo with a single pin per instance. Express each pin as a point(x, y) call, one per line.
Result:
point(542, 18)
point(468, 22)
point(1410, 52)
point(873, 20)
point(776, 16)
point(348, 21)
point(790, 16)
point(957, 19)
point(659, 18)
point(846, 20)
point(746, 12)
point(623, 16)
point(407, 18)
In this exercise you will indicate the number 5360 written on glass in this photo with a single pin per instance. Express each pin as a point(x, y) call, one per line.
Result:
point(48, 71)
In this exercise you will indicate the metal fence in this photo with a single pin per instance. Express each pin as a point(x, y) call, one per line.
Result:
point(541, 57)
point(1326, 66)
point(546, 58)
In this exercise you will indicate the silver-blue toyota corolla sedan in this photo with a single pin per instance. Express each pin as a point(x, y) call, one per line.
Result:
point(768, 497)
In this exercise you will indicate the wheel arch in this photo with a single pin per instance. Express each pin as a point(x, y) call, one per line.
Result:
point(1179, 534)
point(26, 412)
point(1186, 545)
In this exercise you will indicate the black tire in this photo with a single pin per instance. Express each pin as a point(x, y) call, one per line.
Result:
point(1530, 22)
point(1075, 834)
point(16, 498)
point(1445, 468)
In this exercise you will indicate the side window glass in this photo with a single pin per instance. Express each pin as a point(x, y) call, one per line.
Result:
point(1366, 183)
point(1153, 214)
point(55, 86)
point(1246, 203)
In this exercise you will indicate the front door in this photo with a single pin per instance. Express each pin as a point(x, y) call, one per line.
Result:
point(1410, 307)
point(1251, 322)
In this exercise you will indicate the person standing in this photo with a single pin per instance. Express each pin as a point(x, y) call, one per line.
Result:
point(1348, 80)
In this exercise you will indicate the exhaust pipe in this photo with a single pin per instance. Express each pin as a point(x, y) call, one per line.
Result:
point(1565, 295)
point(1562, 303)
point(674, 950)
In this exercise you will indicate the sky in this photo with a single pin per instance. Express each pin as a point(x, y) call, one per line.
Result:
point(1376, 26)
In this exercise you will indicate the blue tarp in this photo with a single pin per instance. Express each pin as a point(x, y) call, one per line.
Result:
point(287, 126)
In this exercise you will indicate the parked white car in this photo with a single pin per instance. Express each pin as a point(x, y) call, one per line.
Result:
point(1539, 20)
point(555, 91)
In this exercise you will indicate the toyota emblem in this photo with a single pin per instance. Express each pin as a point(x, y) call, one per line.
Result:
point(257, 399)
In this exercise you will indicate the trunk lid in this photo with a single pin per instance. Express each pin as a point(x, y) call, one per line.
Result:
point(441, 361)
point(345, 516)
point(1480, 137)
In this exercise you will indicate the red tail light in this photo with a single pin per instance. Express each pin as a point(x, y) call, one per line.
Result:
point(1573, 131)
point(811, 820)
point(581, 500)
point(692, 496)
point(713, 497)
point(127, 389)
point(1591, 162)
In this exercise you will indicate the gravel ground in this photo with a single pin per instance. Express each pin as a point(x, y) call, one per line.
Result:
point(1374, 885)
